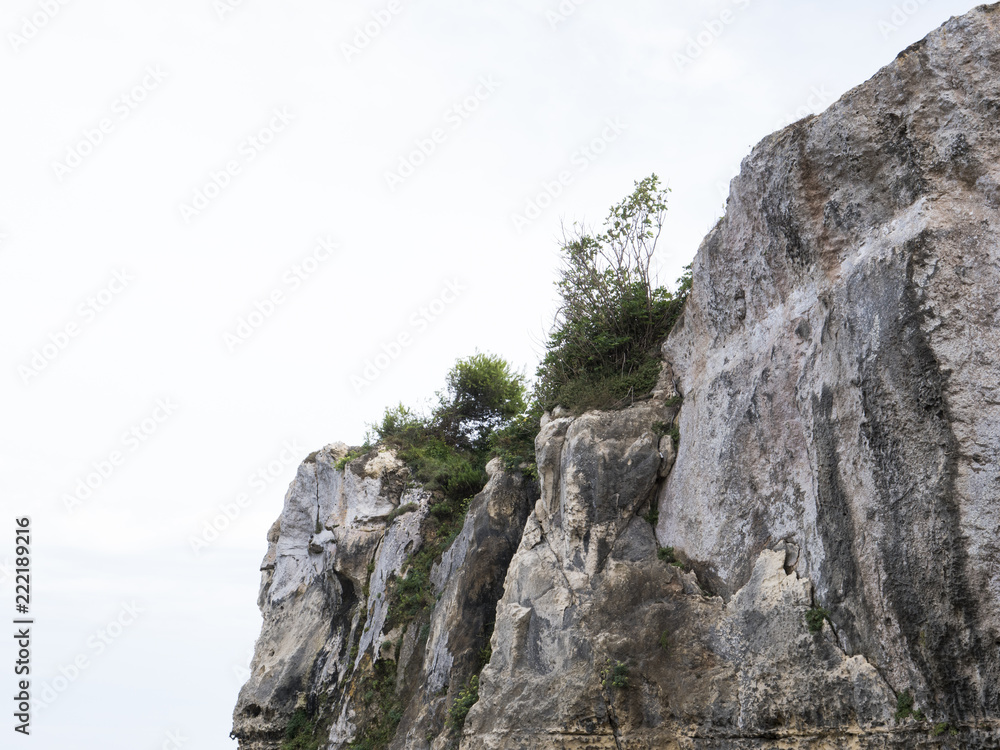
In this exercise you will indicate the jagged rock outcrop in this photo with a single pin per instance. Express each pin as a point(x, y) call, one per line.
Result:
point(468, 582)
point(840, 362)
point(815, 565)
point(323, 581)
point(588, 592)
point(837, 359)
point(329, 642)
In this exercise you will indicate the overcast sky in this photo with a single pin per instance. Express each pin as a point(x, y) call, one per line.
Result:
point(217, 219)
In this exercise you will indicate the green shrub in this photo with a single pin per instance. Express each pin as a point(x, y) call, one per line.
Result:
point(675, 435)
point(397, 422)
point(466, 699)
point(411, 593)
point(300, 734)
point(614, 674)
point(904, 707)
point(815, 617)
point(665, 640)
point(667, 555)
point(352, 454)
point(482, 394)
point(368, 577)
point(381, 710)
point(604, 350)
point(484, 655)
point(457, 471)
point(514, 443)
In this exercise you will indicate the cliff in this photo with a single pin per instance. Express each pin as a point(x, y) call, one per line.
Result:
point(809, 561)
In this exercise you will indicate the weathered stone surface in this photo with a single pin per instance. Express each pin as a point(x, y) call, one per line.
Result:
point(328, 547)
point(553, 633)
point(839, 359)
point(468, 583)
point(839, 447)
point(325, 600)
point(587, 590)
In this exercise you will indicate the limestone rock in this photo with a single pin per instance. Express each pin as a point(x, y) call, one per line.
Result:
point(587, 591)
point(839, 358)
point(827, 534)
point(468, 582)
point(325, 599)
point(324, 552)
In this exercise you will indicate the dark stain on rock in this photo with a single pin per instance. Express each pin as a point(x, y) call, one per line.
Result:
point(961, 163)
point(782, 223)
point(908, 182)
point(836, 523)
point(907, 430)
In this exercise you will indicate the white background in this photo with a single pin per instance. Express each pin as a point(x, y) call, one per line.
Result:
point(116, 207)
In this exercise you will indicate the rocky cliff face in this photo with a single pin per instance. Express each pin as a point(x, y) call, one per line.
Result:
point(839, 362)
point(330, 649)
point(815, 565)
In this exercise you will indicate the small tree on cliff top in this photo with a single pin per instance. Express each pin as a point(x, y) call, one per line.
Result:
point(603, 350)
point(481, 394)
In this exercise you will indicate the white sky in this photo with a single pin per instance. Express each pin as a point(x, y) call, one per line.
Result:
point(514, 97)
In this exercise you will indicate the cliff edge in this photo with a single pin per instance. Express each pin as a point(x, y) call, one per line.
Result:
point(793, 542)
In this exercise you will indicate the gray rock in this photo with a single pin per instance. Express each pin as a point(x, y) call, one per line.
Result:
point(468, 581)
point(330, 545)
point(325, 601)
point(838, 359)
point(831, 504)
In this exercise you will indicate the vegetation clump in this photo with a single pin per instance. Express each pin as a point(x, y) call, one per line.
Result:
point(447, 451)
point(465, 700)
point(665, 640)
point(905, 707)
point(342, 462)
point(615, 674)
point(301, 734)
point(604, 350)
point(815, 617)
point(661, 428)
point(943, 726)
point(381, 706)
point(514, 443)
point(400, 510)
